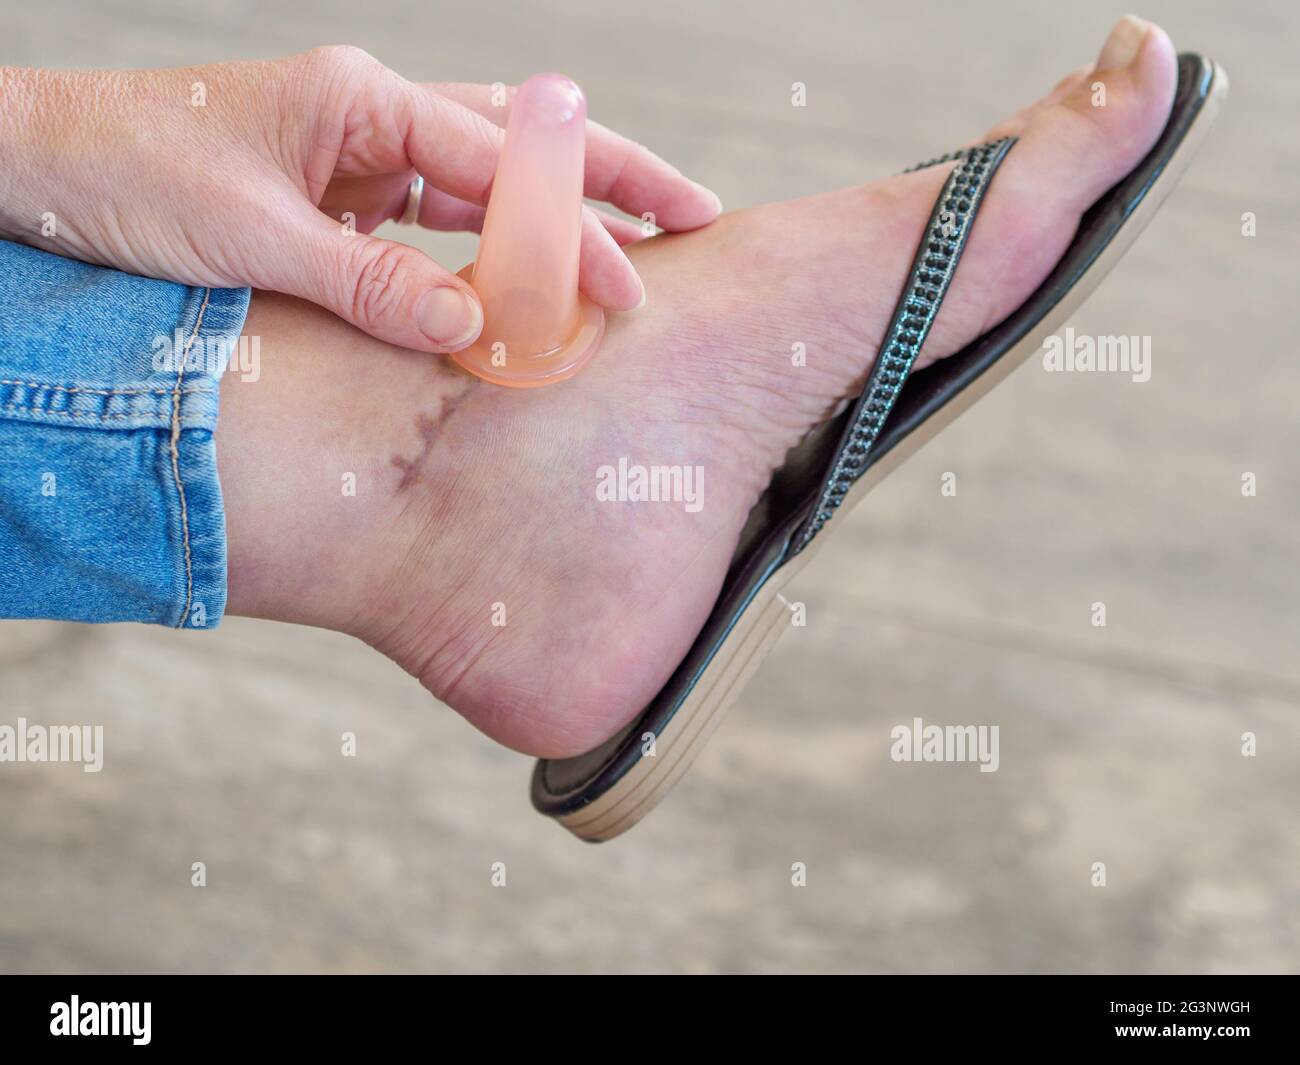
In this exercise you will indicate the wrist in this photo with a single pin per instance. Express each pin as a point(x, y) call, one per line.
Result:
point(40, 143)
point(17, 150)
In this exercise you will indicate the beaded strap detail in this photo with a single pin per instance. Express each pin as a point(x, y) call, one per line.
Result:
point(927, 284)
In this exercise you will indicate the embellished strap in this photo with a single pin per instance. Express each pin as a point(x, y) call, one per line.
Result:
point(927, 284)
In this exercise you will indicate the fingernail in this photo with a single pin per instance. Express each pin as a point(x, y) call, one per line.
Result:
point(1121, 47)
point(449, 317)
point(643, 294)
point(717, 201)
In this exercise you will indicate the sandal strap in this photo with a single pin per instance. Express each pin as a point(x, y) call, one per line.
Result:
point(932, 270)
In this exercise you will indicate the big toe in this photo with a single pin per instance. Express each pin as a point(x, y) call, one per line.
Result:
point(1098, 124)
point(1085, 136)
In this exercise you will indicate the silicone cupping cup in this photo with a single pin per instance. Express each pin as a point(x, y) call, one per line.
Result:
point(537, 327)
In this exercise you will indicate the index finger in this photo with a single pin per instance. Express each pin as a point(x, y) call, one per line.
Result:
point(618, 170)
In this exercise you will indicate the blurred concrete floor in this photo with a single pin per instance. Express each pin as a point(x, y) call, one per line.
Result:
point(1119, 744)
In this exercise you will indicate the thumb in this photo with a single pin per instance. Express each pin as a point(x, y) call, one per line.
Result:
point(392, 291)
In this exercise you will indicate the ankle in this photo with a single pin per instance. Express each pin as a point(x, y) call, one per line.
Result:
point(313, 455)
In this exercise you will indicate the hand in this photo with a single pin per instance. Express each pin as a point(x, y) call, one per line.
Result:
point(271, 174)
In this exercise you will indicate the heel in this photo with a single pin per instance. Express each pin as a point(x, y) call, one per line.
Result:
point(678, 745)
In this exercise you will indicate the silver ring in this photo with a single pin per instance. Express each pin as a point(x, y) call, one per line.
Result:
point(413, 197)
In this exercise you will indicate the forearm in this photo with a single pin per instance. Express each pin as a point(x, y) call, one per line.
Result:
point(46, 147)
point(21, 148)
point(62, 134)
point(130, 169)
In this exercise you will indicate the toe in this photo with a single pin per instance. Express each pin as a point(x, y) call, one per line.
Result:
point(1068, 84)
point(1112, 117)
point(1022, 119)
point(1100, 124)
point(1097, 129)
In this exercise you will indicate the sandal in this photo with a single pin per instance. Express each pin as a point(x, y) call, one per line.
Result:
point(603, 793)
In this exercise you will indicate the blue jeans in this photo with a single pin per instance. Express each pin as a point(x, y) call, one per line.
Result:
point(110, 507)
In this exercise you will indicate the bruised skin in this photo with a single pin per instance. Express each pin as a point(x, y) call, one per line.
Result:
point(473, 501)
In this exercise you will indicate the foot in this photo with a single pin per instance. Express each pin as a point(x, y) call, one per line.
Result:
point(475, 551)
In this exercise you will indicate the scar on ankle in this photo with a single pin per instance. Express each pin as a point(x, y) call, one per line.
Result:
point(430, 427)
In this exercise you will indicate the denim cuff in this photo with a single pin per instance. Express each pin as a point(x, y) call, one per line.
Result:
point(110, 506)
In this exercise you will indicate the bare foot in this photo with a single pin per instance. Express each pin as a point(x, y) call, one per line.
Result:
point(476, 551)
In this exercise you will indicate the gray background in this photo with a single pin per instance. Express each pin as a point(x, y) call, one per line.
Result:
point(1118, 744)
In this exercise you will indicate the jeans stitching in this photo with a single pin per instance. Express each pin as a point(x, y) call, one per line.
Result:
point(176, 460)
point(18, 407)
point(102, 391)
